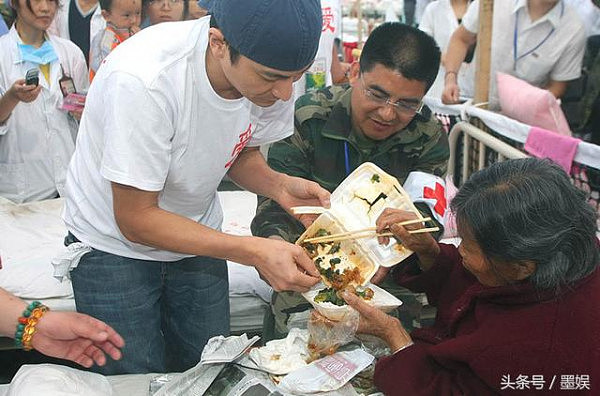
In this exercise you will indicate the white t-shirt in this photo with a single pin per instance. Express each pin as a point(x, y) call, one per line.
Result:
point(439, 21)
point(558, 58)
point(38, 139)
point(321, 67)
point(154, 122)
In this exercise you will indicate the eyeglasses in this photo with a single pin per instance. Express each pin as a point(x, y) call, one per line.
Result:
point(401, 106)
point(161, 2)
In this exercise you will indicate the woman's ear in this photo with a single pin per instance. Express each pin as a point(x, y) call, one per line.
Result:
point(524, 269)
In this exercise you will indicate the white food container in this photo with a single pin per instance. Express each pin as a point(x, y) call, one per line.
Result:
point(348, 212)
point(381, 299)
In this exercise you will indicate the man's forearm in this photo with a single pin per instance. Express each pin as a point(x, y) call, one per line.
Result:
point(251, 171)
point(165, 230)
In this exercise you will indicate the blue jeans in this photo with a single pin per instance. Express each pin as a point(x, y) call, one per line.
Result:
point(165, 311)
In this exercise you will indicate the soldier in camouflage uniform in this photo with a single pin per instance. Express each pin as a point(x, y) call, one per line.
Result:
point(379, 118)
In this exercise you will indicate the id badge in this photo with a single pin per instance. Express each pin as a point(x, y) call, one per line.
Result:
point(67, 86)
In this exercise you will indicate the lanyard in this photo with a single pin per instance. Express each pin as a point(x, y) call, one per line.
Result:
point(346, 158)
point(516, 35)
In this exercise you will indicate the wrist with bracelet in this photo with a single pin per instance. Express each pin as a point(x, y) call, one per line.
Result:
point(27, 323)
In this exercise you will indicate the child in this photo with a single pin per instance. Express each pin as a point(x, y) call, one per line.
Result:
point(122, 21)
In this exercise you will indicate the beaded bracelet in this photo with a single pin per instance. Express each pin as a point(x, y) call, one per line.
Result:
point(27, 323)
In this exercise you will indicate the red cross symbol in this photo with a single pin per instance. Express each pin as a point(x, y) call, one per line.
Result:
point(439, 196)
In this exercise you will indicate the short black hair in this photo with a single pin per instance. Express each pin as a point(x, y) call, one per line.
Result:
point(528, 210)
point(234, 54)
point(404, 49)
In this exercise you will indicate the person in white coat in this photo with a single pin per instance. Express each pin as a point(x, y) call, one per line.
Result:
point(37, 138)
point(440, 19)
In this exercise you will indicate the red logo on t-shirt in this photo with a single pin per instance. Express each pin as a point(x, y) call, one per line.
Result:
point(328, 19)
point(239, 146)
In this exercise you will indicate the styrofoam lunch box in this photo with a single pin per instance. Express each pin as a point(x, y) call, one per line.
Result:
point(350, 211)
point(382, 300)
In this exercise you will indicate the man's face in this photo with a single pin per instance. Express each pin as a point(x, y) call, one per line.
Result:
point(260, 84)
point(383, 101)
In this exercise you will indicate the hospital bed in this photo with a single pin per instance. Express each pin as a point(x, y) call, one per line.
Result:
point(481, 137)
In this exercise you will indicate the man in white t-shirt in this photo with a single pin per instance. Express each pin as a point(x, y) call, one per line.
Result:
point(327, 69)
point(539, 41)
point(171, 112)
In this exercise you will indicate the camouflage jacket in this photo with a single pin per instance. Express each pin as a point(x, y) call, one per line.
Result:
point(316, 151)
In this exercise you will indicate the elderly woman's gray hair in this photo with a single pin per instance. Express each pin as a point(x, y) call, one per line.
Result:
point(528, 210)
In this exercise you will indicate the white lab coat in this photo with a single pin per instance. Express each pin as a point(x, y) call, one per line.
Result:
point(38, 139)
point(60, 24)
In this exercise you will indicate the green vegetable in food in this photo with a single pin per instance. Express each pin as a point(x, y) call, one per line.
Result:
point(321, 232)
point(334, 249)
point(329, 294)
point(334, 261)
point(375, 178)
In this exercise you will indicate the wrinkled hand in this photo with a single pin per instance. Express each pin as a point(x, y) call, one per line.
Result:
point(451, 93)
point(77, 337)
point(285, 266)
point(380, 275)
point(301, 192)
point(376, 322)
point(24, 93)
point(422, 244)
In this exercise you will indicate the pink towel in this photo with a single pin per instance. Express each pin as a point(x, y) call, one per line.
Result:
point(561, 149)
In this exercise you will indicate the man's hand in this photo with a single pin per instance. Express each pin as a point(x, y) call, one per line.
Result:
point(77, 337)
point(296, 191)
point(24, 93)
point(285, 266)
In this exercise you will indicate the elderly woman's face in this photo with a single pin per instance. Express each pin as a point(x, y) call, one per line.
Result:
point(477, 264)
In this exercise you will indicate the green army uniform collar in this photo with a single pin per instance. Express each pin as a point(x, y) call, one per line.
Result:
point(339, 126)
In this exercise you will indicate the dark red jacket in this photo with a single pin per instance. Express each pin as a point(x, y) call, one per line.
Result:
point(484, 338)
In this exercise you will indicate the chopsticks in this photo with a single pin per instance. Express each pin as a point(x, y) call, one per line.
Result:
point(370, 233)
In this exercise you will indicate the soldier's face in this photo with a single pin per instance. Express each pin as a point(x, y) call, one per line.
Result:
point(383, 101)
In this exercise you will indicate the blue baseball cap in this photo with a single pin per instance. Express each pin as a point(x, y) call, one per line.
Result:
point(280, 34)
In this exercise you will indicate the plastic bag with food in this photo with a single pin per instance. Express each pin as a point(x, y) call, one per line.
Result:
point(326, 336)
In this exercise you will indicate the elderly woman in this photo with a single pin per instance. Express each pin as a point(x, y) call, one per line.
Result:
point(517, 301)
